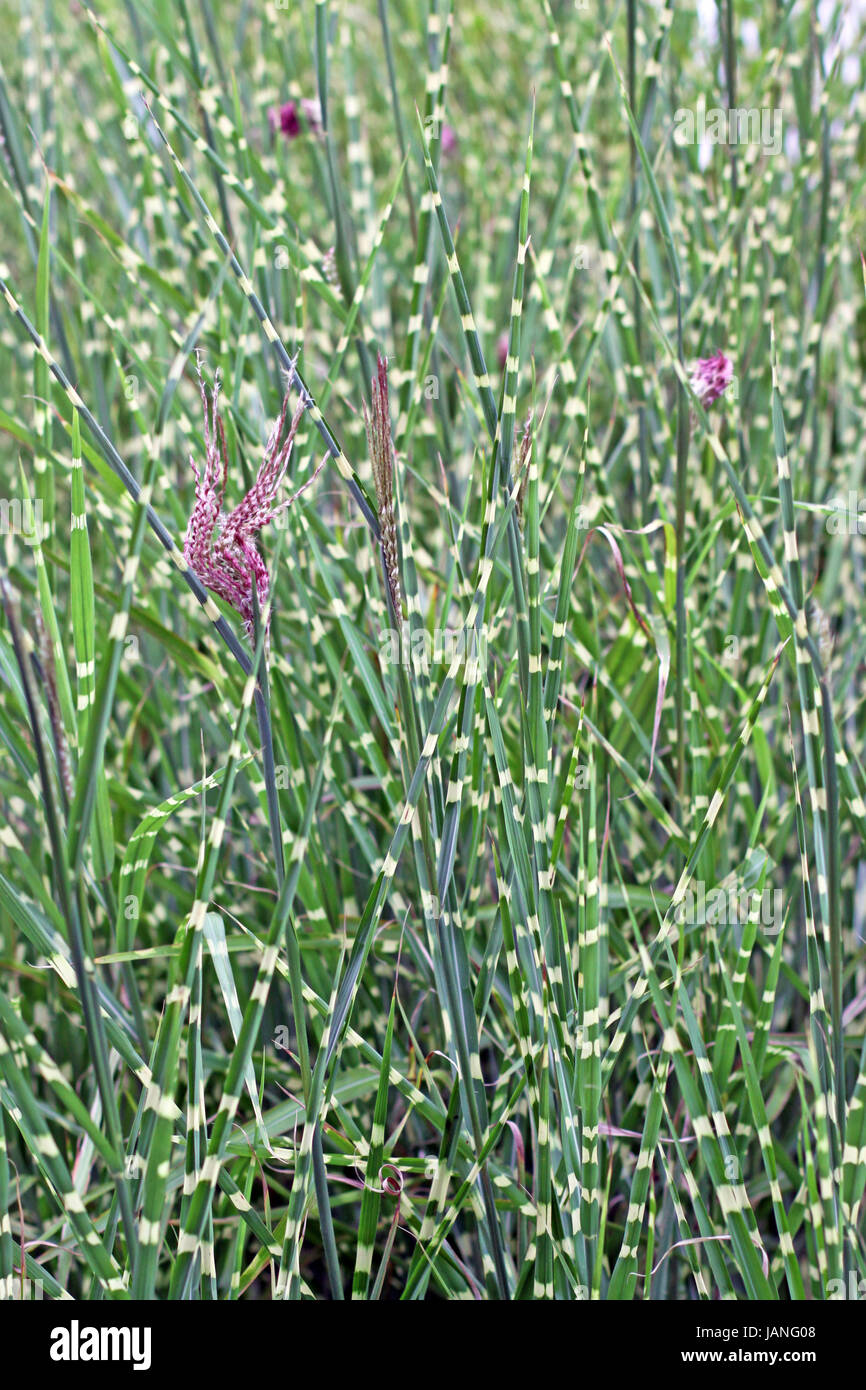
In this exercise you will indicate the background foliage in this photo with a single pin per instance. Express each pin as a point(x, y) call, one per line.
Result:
point(387, 976)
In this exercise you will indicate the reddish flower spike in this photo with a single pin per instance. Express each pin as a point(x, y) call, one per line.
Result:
point(220, 546)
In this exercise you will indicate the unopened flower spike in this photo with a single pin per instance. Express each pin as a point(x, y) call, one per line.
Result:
point(712, 376)
point(521, 471)
point(381, 449)
point(220, 545)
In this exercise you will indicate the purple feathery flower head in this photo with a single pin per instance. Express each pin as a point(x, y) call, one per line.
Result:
point(220, 546)
point(711, 377)
point(449, 139)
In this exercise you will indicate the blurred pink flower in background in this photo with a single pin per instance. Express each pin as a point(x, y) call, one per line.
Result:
point(449, 139)
point(712, 376)
point(287, 118)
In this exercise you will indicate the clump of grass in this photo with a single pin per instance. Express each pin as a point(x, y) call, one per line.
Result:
point(521, 957)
